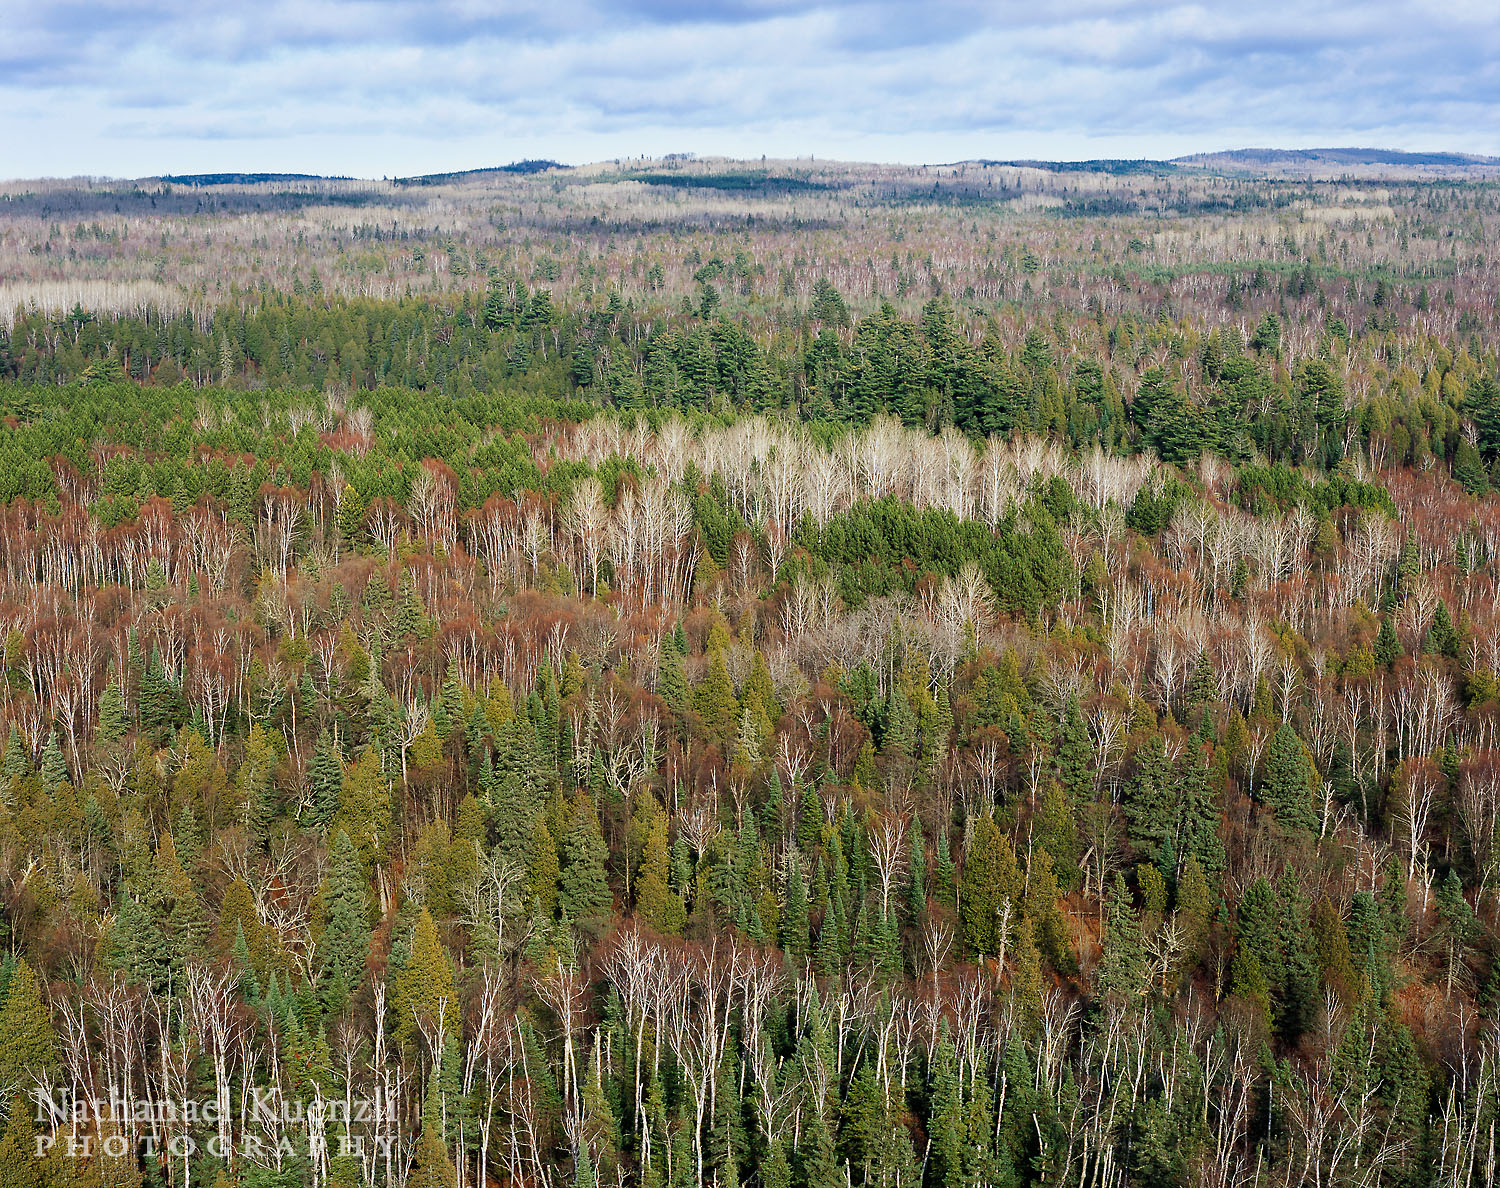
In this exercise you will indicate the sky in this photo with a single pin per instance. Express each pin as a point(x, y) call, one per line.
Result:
point(374, 88)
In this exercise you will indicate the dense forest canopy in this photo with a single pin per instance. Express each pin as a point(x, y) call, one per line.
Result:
point(687, 673)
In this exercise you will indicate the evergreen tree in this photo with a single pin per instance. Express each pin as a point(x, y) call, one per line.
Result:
point(1288, 786)
point(325, 781)
point(111, 725)
point(54, 768)
point(1075, 755)
point(1122, 974)
point(1150, 799)
point(1387, 646)
point(794, 925)
point(655, 900)
point(989, 884)
point(345, 942)
point(582, 885)
point(423, 990)
point(28, 1043)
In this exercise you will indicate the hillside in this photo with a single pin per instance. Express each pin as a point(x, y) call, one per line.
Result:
point(781, 673)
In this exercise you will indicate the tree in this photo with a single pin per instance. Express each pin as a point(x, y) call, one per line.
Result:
point(431, 1166)
point(1122, 972)
point(1482, 403)
point(1149, 799)
point(345, 942)
point(583, 888)
point(1074, 754)
point(423, 992)
point(28, 1043)
point(1289, 787)
point(1387, 646)
point(19, 1166)
point(325, 780)
point(655, 900)
point(364, 811)
point(989, 887)
point(111, 726)
point(1468, 468)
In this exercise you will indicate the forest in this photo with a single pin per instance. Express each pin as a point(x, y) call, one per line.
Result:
point(692, 674)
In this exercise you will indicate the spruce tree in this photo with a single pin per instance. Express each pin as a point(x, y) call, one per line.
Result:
point(583, 888)
point(424, 986)
point(1288, 786)
point(794, 924)
point(111, 725)
point(655, 900)
point(28, 1043)
point(1074, 754)
point(1387, 646)
point(54, 767)
point(345, 942)
point(1121, 974)
point(325, 780)
point(1149, 799)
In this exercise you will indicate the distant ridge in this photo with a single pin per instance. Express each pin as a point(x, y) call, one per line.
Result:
point(440, 179)
point(1100, 165)
point(1260, 158)
point(242, 179)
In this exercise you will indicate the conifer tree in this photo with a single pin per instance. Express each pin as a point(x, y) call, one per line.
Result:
point(364, 811)
point(1387, 646)
point(423, 989)
point(325, 781)
point(345, 942)
point(583, 888)
point(714, 700)
point(1074, 754)
point(28, 1043)
point(1149, 799)
point(1288, 786)
point(658, 904)
point(54, 768)
point(1121, 972)
point(542, 869)
point(990, 880)
point(19, 1166)
point(111, 725)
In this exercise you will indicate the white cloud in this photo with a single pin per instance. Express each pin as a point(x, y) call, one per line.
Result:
point(382, 86)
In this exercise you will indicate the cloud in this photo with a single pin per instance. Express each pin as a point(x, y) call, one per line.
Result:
point(383, 86)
